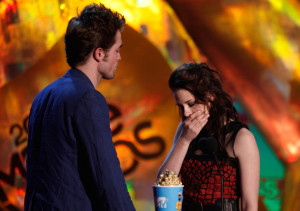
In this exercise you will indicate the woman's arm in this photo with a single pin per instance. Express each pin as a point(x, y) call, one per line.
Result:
point(176, 155)
point(185, 133)
point(248, 155)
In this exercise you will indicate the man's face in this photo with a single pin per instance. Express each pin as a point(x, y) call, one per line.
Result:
point(109, 64)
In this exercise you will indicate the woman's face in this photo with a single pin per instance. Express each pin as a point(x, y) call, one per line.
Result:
point(187, 103)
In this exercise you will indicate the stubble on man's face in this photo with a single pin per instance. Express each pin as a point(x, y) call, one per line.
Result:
point(111, 59)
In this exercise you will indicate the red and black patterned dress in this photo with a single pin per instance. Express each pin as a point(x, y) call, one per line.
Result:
point(202, 181)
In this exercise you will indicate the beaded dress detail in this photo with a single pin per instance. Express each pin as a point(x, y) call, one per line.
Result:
point(202, 181)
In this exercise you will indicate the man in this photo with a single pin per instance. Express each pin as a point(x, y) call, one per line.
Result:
point(71, 160)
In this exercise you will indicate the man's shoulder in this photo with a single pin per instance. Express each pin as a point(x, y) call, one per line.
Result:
point(64, 91)
point(66, 86)
point(94, 97)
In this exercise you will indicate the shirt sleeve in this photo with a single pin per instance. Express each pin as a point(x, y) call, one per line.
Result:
point(98, 164)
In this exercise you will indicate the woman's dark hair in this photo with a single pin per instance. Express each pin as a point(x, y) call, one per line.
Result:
point(95, 27)
point(205, 84)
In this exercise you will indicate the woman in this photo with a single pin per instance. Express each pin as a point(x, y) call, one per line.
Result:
point(207, 111)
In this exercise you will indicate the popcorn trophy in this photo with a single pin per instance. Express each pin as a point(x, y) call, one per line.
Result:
point(168, 192)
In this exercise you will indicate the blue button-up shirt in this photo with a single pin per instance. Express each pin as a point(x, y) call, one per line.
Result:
point(71, 160)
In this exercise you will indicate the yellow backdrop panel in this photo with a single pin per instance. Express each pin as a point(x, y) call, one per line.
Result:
point(142, 111)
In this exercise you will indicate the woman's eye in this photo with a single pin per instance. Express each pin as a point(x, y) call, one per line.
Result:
point(180, 108)
point(192, 104)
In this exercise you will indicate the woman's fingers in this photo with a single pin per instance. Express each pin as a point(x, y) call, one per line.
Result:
point(197, 116)
point(198, 122)
point(194, 124)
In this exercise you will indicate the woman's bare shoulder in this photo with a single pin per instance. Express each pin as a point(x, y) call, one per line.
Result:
point(245, 143)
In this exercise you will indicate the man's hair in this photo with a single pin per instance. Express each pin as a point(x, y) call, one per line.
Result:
point(94, 28)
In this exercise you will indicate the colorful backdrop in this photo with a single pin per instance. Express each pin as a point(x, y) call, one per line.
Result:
point(254, 44)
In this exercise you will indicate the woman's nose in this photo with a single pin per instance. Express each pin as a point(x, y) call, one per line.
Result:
point(186, 112)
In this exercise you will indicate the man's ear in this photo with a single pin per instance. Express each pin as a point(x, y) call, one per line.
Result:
point(99, 54)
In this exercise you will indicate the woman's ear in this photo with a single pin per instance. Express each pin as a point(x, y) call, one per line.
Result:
point(99, 54)
point(211, 97)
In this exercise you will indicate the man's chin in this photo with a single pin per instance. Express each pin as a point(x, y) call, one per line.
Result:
point(109, 77)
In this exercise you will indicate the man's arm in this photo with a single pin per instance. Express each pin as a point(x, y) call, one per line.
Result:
point(99, 165)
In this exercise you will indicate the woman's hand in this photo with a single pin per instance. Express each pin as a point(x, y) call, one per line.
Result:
point(193, 124)
point(186, 132)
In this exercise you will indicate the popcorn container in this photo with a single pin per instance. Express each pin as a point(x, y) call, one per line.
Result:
point(168, 198)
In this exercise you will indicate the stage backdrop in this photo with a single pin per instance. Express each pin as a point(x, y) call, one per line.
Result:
point(143, 115)
point(142, 111)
